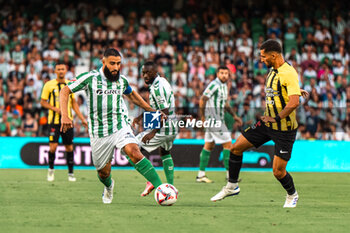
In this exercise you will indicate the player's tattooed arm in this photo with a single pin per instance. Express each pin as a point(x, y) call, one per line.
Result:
point(292, 104)
point(230, 110)
point(202, 105)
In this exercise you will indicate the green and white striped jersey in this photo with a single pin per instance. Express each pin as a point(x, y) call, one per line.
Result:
point(216, 91)
point(161, 97)
point(107, 110)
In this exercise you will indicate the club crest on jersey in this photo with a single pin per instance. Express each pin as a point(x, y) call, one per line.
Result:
point(107, 92)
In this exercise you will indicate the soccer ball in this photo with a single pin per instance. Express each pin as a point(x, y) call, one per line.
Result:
point(166, 194)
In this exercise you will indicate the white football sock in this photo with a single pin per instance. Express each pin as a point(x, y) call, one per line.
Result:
point(231, 185)
point(201, 173)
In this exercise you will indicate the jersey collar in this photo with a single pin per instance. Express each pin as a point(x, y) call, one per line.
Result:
point(218, 80)
point(155, 80)
point(281, 67)
point(101, 73)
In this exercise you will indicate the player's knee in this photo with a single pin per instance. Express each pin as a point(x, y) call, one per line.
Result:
point(104, 174)
point(135, 153)
point(236, 150)
point(53, 149)
point(69, 148)
point(209, 147)
point(279, 173)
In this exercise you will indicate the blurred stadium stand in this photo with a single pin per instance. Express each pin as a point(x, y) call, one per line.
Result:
point(188, 40)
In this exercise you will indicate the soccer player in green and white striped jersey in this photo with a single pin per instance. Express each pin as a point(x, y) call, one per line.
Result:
point(108, 119)
point(161, 97)
point(212, 105)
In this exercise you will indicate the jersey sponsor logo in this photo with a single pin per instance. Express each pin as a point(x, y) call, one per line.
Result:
point(108, 92)
point(151, 120)
point(270, 92)
point(160, 100)
point(270, 102)
point(129, 135)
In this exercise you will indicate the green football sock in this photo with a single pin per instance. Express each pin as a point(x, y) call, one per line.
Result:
point(107, 182)
point(204, 159)
point(226, 154)
point(168, 166)
point(145, 168)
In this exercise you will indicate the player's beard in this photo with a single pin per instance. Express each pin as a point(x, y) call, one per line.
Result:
point(150, 81)
point(111, 77)
point(268, 64)
point(61, 77)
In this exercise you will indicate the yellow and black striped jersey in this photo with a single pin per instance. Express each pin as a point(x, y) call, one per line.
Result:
point(51, 92)
point(280, 84)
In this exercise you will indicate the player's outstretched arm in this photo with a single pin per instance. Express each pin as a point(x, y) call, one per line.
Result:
point(139, 101)
point(66, 123)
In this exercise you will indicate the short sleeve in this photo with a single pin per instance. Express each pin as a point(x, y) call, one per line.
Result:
point(291, 82)
point(127, 90)
point(126, 87)
point(81, 83)
point(72, 96)
point(210, 90)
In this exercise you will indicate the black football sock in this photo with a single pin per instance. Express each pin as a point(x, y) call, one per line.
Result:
point(234, 166)
point(288, 184)
point(51, 160)
point(70, 161)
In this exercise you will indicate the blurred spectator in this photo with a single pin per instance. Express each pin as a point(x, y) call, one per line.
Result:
point(29, 127)
point(115, 21)
point(188, 43)
point(5, 128)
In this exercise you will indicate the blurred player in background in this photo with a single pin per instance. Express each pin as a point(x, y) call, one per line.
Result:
point(212, 106)
point(109, 126)
point(278, 124)
point(161, 97)
point(50, 100)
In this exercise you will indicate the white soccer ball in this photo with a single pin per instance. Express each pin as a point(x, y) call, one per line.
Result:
point(166, 194)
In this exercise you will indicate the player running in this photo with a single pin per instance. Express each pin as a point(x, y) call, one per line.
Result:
point(109, 126)
point(212, 106)
point(161, 97)
point(50, 100)
point(278, 124)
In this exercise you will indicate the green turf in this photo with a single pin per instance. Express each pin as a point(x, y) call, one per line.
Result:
point(30, 204)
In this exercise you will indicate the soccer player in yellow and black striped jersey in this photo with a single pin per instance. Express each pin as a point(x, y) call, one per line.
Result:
point(278, 124)
point(50, 100)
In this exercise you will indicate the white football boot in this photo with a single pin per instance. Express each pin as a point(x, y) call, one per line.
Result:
point(291, 200)
point(107, 195)
point(71, 177)
point(51, 175)
point(225, 192)
point(204, 179)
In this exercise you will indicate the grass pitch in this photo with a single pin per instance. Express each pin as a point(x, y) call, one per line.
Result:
point(28, 203)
